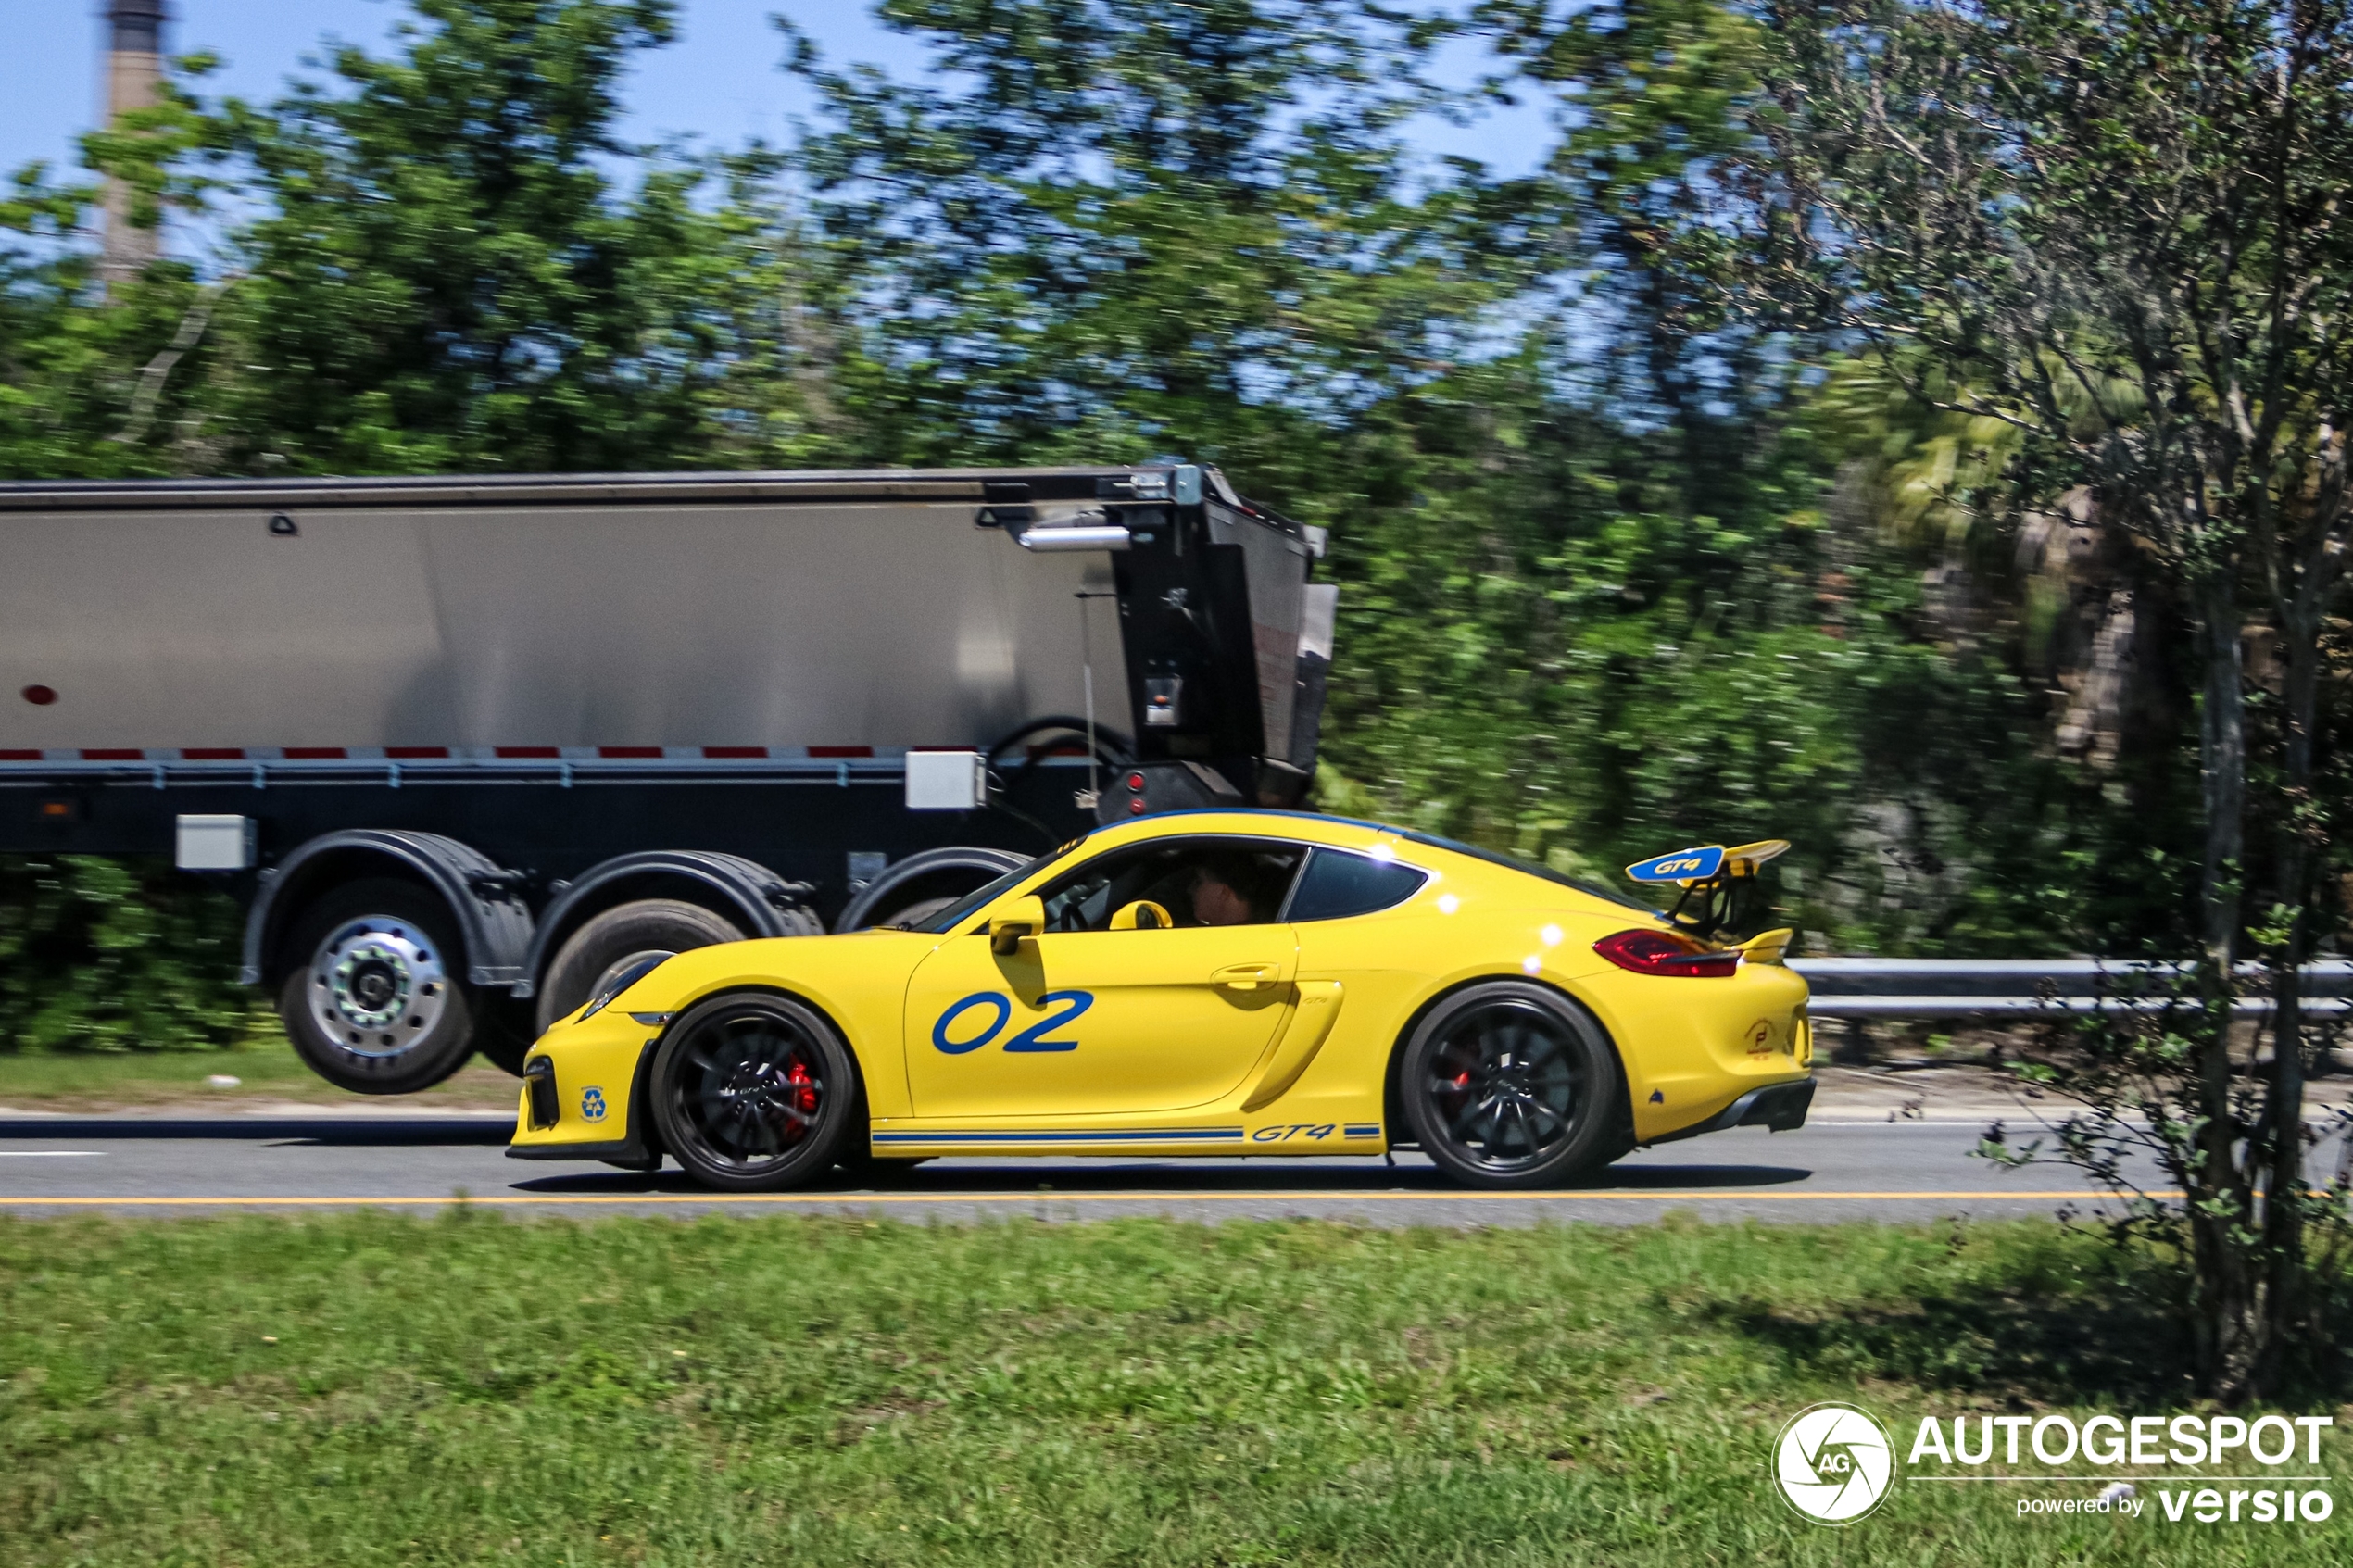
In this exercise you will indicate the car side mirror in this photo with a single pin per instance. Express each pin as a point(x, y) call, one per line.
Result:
point(1015, 922)
point(1142, 915)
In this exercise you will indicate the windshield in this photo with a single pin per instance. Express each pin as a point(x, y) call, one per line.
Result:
point(1512, 862)
point(962, 909)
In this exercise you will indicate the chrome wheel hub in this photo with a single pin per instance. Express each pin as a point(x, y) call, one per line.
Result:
point(377, 985)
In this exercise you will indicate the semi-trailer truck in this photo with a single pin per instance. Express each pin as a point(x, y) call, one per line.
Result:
point(466, 744)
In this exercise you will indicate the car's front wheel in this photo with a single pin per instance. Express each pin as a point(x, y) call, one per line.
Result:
point(754, 1093)
point(1510, 1084)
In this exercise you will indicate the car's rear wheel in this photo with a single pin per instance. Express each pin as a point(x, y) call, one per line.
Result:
point(754, 1093)
point(1509, 1084)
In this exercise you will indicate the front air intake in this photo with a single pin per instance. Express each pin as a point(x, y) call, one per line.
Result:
point(540, 1082)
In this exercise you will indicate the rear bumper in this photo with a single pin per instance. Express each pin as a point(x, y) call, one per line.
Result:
point(1780, 1107)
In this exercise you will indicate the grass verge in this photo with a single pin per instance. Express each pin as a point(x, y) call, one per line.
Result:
point(375, 1388)
point(265, 1067)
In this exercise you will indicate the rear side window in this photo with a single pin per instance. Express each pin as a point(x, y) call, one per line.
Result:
point(1339, 885)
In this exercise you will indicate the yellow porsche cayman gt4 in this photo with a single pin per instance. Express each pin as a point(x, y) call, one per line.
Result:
point(1206, 983)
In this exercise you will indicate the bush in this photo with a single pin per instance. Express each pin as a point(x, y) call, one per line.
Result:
point(116, 955)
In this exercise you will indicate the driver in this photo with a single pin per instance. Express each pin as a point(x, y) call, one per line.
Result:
point(1217, 901)
point(1236, 890)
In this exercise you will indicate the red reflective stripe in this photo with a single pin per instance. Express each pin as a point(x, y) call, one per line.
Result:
point(313, 754)
point(629, 751)
point(735, 751)
point(214, 754)
point(416, 751)
point(841, 751)
point(528, 751)
point(113, 754)
point(21, 757)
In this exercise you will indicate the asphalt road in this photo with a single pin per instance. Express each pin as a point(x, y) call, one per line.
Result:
point(1829, 1171)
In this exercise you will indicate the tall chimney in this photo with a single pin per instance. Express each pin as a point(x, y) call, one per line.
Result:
point(133, 70)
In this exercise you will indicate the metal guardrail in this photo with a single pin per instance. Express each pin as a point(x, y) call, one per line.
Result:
point(2021, 989)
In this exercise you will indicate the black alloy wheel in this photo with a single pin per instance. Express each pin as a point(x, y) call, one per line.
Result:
point(754, 1093)
point(1509, 1084)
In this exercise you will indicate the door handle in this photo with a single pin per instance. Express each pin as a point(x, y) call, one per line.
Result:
point(1247, 976)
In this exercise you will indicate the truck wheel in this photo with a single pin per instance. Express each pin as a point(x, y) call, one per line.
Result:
point(620, 936)
point(921, 910)
point(754, 1093)
point(503, 1032)
point(372, 1000)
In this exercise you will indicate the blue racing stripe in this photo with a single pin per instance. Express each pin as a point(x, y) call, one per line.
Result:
point(1164, 1135)
point(1361, 1129)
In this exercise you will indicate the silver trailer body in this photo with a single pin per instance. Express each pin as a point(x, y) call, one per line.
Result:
point(514, 734)
point(838, 611)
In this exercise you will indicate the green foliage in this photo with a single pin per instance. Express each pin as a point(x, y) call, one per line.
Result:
point(2118, 230)
point(837, 1391)
point(1113, 228)
point(115, 955)
point(444, 276)
point(1623, 566)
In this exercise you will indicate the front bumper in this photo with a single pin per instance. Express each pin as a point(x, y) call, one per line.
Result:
point(612, 1073)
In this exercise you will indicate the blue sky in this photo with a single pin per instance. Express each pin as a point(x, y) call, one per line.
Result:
point(720, 81)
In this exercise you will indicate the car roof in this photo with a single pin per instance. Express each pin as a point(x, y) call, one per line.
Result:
point(1341, 833)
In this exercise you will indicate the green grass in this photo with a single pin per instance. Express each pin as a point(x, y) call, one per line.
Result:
point(265, 1066)
point(375, 1388)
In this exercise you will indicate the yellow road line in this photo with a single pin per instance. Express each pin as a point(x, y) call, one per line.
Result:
point(523, 1199)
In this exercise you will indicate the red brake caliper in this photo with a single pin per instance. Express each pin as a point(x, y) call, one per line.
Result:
point(805, 1091)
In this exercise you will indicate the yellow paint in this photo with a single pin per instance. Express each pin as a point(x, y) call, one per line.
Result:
point(1311, 1019)
point(1195, 1030)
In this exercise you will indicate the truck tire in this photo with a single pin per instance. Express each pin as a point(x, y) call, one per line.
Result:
point(923, 885)
point(622, 935)
point(503, 1031)
point(921, 910)
point(373, 997)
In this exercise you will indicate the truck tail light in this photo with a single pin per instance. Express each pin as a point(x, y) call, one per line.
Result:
point(1661, 952)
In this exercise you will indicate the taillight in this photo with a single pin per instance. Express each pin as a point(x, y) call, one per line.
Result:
point(1660, 952)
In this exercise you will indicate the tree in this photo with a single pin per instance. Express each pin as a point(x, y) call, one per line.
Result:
point(1109, 228)
point(433, 264)
point(2118, 231)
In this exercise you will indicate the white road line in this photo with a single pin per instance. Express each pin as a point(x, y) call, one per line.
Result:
point(52, 1154)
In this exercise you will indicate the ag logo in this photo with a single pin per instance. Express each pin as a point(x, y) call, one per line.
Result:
point(592, 1105)
point(1833, 1463)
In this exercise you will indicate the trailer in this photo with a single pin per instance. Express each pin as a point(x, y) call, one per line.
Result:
point(466, 745)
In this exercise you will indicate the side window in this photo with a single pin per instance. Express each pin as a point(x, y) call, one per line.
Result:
point(1198, 881)
point(1339, 885)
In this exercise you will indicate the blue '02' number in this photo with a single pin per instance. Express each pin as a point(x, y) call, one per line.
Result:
point(1002, 1004)
point(1033, 1038)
